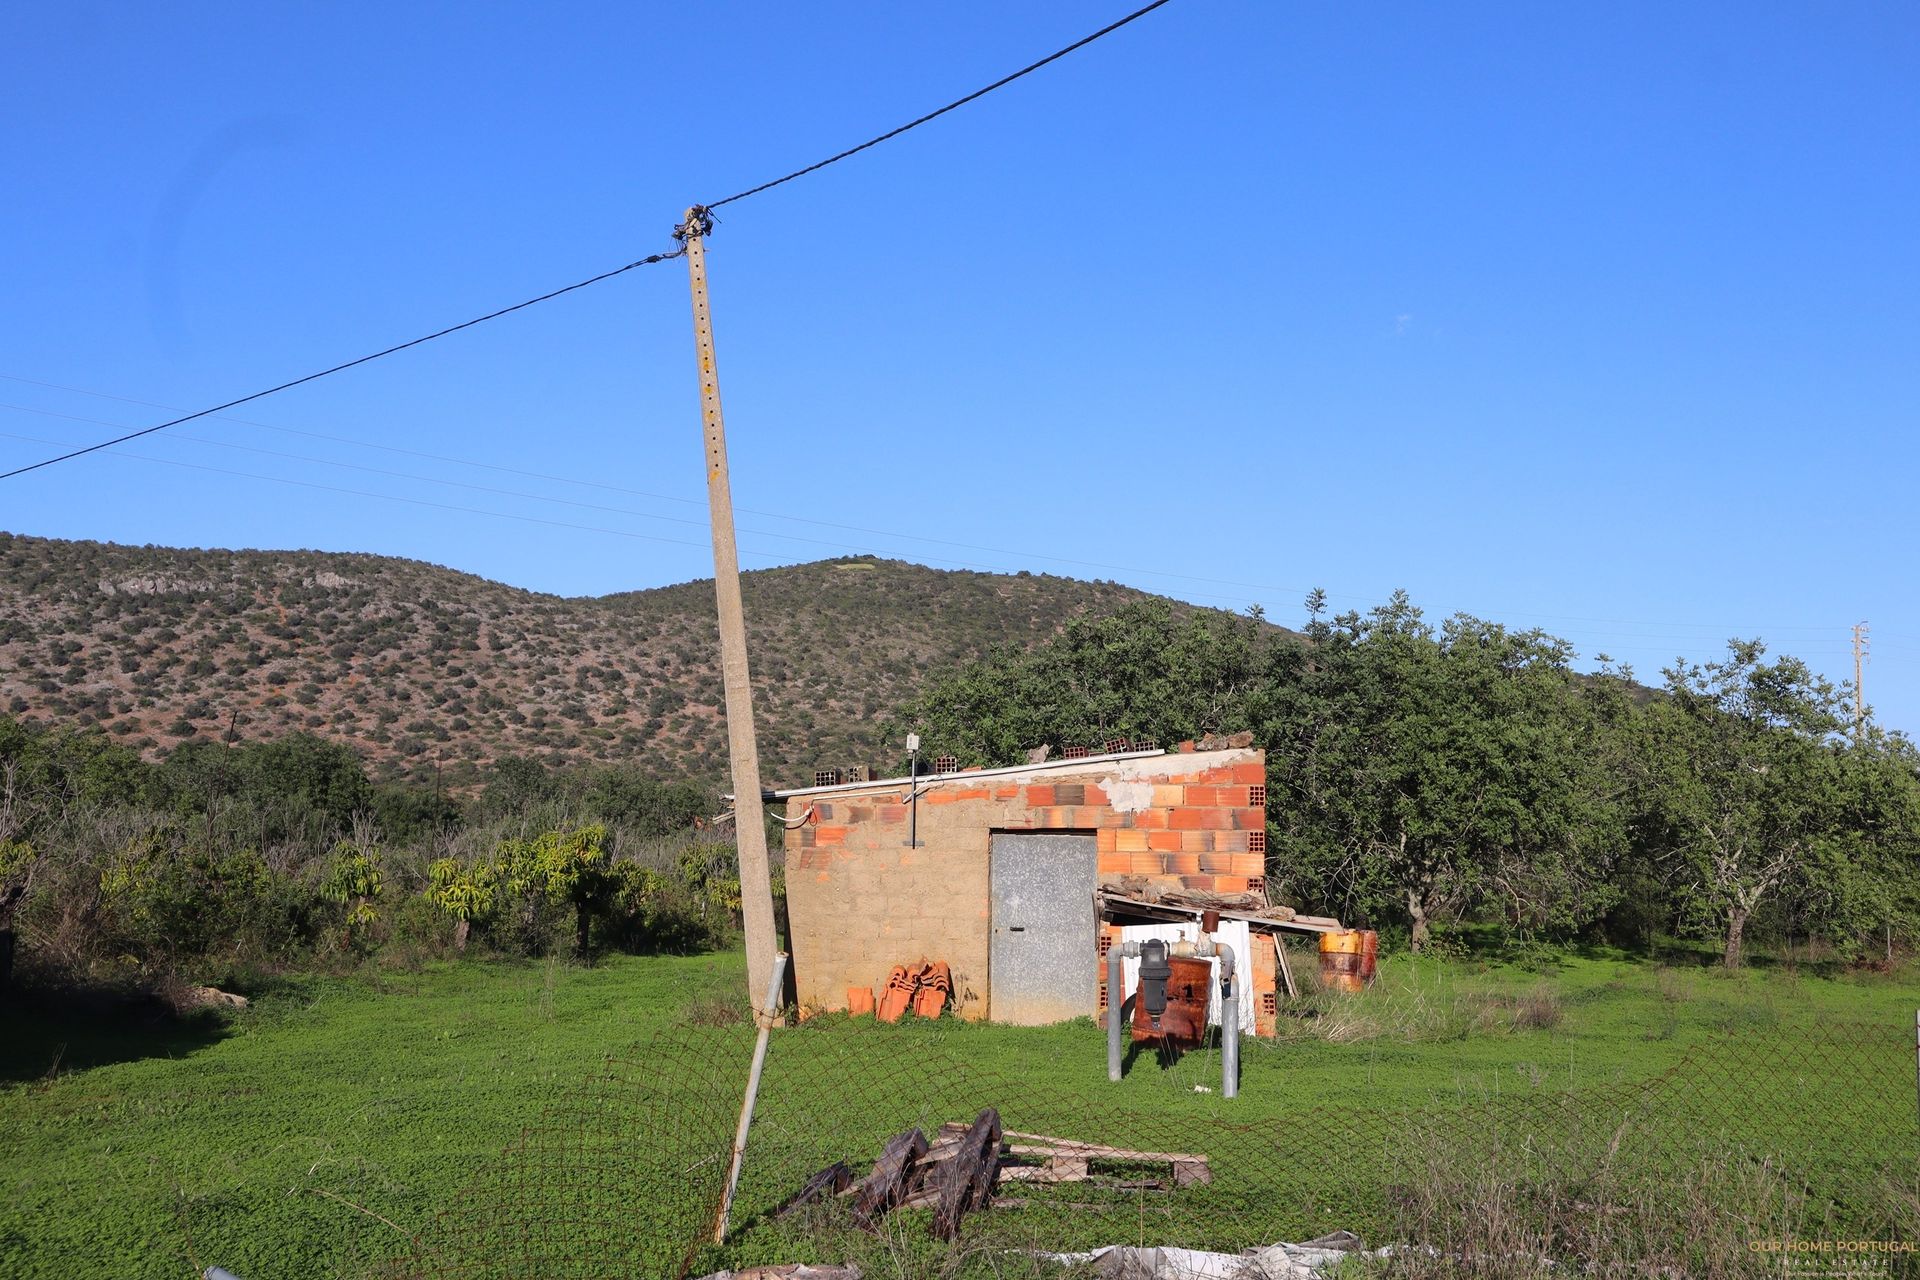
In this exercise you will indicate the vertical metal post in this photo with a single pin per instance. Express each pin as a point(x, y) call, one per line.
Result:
point(913, 791)
point(750, 832)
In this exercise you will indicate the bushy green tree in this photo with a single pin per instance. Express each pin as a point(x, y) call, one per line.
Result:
point(467, 891)
point(557, 869)
point(624, 797)
point(1143, 672)
point(1418, 774)
point(1751, 784)
point(354, 879)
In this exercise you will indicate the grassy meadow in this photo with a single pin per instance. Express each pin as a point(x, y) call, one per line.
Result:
point(313, 1133)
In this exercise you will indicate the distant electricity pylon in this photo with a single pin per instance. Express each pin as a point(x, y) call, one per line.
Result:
point(1860, 644)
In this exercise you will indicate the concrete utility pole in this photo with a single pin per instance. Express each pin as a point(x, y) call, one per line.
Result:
point(750, 832)
point(1859, 677)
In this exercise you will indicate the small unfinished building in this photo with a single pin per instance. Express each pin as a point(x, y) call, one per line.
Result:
point(1022, 878)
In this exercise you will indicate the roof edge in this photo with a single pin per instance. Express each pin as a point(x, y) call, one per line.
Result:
point(936, 779)
point(1008, 770)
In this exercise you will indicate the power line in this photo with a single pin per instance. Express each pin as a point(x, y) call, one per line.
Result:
point(844, 548)
point(1663, 629)
point(339, 368)
point(1608, 645)
point(413, 502)
point(1588, 646)
point(605, 275)
point(935, 115)
point(609, 488)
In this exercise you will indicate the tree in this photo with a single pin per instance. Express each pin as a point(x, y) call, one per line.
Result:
point(1419, 774)
point(1143, 672)
point(467, 891)
point(557, 867)
point(519, 785)
point(627, 798)
point(1750, 782)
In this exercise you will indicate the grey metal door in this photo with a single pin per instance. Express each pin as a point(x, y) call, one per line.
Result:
point(1043, 967)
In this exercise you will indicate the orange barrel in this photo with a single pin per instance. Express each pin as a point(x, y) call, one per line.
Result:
point(860, 1001)
point(1369, 955)
point(1341, 958)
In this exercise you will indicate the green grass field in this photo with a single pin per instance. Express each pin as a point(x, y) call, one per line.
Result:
point(311, 1134)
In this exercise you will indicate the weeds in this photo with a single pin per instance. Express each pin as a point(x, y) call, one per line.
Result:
point(716, 1011)
point(1408, 1007)
point(1716, 1218)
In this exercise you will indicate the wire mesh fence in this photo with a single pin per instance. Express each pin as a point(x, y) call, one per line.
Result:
point(1715, 1165)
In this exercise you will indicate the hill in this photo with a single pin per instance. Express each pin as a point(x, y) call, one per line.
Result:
point(421, 667)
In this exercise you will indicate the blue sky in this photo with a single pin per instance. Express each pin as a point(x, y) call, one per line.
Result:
point(1601, 319)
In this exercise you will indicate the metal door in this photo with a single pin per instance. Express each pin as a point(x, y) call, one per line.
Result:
point(1043, 967)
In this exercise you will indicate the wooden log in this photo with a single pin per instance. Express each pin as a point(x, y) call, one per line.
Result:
point(965, 1181)
point(830, 1181)
point(886, 1186)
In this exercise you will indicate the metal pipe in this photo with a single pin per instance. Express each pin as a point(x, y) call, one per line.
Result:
point(753, 1091)
point(1229, 1025)
point(1116, 998)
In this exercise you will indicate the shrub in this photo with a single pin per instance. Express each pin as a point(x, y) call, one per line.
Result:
point(354, 879)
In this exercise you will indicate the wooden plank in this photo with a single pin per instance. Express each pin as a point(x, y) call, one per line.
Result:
point(1039, 1144)
point(830, 1181)
point(966, 1180)
point(1066, 1160)
point(1164, 911)
point(1058, 1169)
point(1192, 1173)
point(886, 1186)
point(1286, 970)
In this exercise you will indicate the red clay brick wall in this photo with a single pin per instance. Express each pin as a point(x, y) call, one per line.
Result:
point(860, 901)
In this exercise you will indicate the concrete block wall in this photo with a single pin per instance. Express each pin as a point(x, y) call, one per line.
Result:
point(860, 900)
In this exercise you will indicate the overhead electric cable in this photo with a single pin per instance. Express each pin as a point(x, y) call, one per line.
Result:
point(606, 275)
point(412, 502)
point(340, 368)
point(1607, 644)
point(935, 115)
point(1669, 629)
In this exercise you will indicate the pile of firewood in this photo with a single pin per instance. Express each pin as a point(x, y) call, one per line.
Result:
point(961, 1169)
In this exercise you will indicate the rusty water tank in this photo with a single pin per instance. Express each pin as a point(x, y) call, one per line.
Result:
point(1183, 1024)
point(1347, 959)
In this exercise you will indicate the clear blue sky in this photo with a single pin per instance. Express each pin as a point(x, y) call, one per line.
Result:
point(1597, 318)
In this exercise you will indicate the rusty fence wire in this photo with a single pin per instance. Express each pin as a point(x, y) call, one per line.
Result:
point(1698, 1170)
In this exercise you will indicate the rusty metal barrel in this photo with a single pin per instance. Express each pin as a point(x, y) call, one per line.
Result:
point(1369, 955)
point(1184, 1023)
point(1344, 959)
